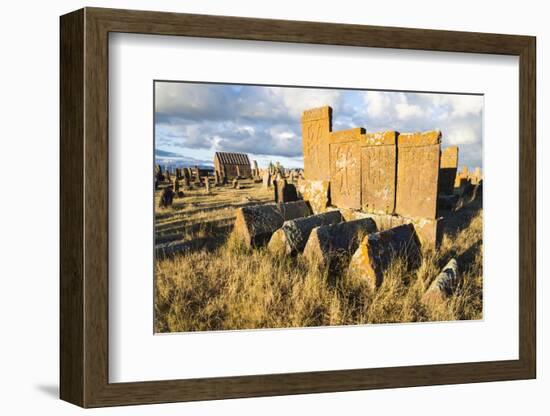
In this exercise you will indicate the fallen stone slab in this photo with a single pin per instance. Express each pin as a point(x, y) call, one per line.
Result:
point(444, 284)
point(429, 231)
point(254, 225)
point(378, 250)
point(292, 237)
point(333, 245)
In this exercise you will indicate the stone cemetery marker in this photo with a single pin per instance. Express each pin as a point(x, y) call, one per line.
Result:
point(378, 172)
point(332, 245)
point(476, 177)
point(207, 184)
point(292, 237)
point(254, 225)
point(345, 168)
point(167, 197)
point(256, 171)
point(462, 178)
point(447, 170)
point(284, 191)
point(266, 180)
point(444, 284)
point(316, 128)
point(377, 251)
point(235, 183)
point(417, 174)
point(316, 193)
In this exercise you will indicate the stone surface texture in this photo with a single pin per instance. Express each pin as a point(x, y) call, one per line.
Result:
point(378, 172)
point(316, 192)
point(316, 128)
point(331, 245)
point(255, 225)
point(417, 174)
point(444, 285)
point(345, 168)
point(378, 250)
point(447, 170)
point(292, 237)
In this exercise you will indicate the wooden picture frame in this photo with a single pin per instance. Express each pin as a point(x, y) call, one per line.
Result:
point(84, 207)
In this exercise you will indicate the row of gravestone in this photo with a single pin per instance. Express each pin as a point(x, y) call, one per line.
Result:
point(384, 173)
point(328, 240)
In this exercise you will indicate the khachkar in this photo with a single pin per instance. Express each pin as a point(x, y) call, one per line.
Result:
point(447, 170)
point(345, 168)
point(316, 128)
point(389, 176)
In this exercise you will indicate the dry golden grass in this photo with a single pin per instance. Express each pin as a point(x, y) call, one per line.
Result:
point(234, 288)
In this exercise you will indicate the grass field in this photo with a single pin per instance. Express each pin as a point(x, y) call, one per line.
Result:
point(205, 280)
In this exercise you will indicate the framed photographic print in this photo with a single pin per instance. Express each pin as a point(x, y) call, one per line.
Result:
point(255, 207)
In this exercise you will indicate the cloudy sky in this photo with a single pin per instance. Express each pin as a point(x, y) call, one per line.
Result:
point(193, 120)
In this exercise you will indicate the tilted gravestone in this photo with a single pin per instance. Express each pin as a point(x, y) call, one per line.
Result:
point(167, 197)
point(378, 250)
point(292, 237)
point(417, 174)
point(207, 184)
point(284, 191)
point(447, 170)
point(316, 128)
point(266, 180)
point(332, 245)
point(345, 168)
point(444, 285)
point(378, 172)
point(255, 225)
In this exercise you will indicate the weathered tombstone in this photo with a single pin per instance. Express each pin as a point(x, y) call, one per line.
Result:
point(256, 172)
point(444, 285)
point(462, 178)
point(235, 184)
point(186, 181)
point(333, 245)
point(345, 168)
point(378, 172)
point(378, 250)
point(207, 184)
point(476, 176)
point(266, 180)
point(316, 128)
point(167, 197)
point(292, 237)
point(417, 174)
point(255, 225)
point(447, 170)
point(284, 191)
point(316, 193)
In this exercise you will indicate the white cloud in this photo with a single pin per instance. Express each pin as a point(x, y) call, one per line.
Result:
point(462, 135)
point(378, 103)
point(404, 110)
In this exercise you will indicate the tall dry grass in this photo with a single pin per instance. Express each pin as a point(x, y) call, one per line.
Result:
point(234, 288)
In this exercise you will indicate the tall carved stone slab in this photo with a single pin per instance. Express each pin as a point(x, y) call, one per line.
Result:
point(345, 168)
point(447, 170)
point(378, 171)
point(316, 128)
point(417, 174)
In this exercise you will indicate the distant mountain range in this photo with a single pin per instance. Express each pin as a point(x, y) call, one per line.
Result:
point(166, 158)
